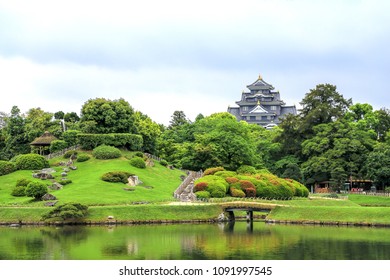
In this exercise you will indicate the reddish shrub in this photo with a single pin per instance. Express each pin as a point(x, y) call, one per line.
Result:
point(250, 192)
point(244, 184)
point(231, 180)
point(201, 186)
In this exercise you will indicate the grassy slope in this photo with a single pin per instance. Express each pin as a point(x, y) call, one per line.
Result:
point(88, 188)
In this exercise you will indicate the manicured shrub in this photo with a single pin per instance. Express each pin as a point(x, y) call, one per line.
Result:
point(212, 170)
point(250, 192)
point(231, 180)
point(116, 176)
point(31, 162)
point(6, 167)
point(211, 180)
point(57, 145)
point(234, 192)
point(67, 211)
point(65, 182)
point(19, 191)
point(203, 195)
point(70, 153)
point(246, 169)
point(83, 157)
point(138, 162)
point(163, 162)
point(22, 182)
point(36, 190)
point(244, 184)
point(201, 186)
point(106, 152)
point(139, 154)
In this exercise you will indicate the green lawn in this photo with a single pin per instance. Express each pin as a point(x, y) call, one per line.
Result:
point(159, 183)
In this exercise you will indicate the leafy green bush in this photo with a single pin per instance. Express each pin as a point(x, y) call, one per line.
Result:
point(116, 176)
point(83, 157)
point(67, 211)
point(6, 167)
point(70, 137)
point(22, 182)
point(203, 195)
point(36, 190)
point(139, 154)
point(225, 174)
point(212, 170)
point(31, 162)
point(133, 142)
point(57, 145)
point(65, 181)
point(246, 169)
point(138, 162)
point(163, 162)
point(19, 191)
point(234, 192)
point(106, 152)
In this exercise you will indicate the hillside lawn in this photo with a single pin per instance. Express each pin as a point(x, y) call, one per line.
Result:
point(159, 183)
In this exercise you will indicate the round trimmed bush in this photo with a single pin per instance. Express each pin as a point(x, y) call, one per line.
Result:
point(22, 182)
point(106, 152)
point(36, 190)
point(231, 180)
point(163, 162)
point(203, 195)
point(234, 192)
point(225, 174)
point(83, 157)
point(6, 167)
point(31, 162)
point(19, 191)
point(245, 184)
point(250, 192)
point(138, 162)
point(117, 176)
point(139, 154)
point(70, 153)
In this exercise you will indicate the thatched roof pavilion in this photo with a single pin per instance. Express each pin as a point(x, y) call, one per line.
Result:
point(43, 142)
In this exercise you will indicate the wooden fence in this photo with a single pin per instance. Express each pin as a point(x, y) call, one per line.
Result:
point(61, 153)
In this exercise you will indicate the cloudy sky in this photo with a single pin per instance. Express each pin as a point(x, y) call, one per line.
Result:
point(194, 56)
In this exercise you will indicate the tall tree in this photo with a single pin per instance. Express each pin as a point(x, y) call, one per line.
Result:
point(16, 141)
point(102, 115)
point(178, 118)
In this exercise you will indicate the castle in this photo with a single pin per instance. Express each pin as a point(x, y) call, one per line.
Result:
point(261, 105)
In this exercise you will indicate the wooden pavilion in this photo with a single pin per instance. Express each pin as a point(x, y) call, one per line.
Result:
point(42, 143)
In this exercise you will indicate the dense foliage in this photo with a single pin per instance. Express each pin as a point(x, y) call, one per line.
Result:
point(260, 183)
point(67, 211)
point(36, 190)
point(90, 141)
point(138, 162)
point(6, 167)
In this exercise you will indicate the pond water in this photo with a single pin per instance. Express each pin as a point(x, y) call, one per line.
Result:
point(237, 241)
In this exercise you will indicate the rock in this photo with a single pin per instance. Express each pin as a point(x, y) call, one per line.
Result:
point(133, 181)
point(56, 186)
point(66, 170)
point(49, 196)
point(110, 217)
point(129, 189)
point(64, 174)
point(43, 175)
point(73, 167)
point(51, 203)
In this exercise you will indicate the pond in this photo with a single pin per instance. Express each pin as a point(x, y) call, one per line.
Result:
point(227, 241)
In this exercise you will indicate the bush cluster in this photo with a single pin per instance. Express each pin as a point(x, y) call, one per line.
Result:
point(203, 195)
point(6, 167)
point(262, 184)
point(67, 211)
point(163, 162)
point(106, 152)
point(138, 162)
point(246, 169)
point(31, 162)
point(116, 176)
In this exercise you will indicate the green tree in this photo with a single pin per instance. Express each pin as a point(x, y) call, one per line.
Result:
point(38, 121)
point(107, 116)
point(59, 115)
point(15, 140)
point(36, 190)
point(149, 130)
point(377, 165)
point(178, 119)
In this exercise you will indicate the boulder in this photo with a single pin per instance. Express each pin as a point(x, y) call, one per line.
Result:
point(49, 196)
point(56, 186)
point(133, 181)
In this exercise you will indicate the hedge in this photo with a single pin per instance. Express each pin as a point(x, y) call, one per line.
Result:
point(57, 145)
point(132, 142)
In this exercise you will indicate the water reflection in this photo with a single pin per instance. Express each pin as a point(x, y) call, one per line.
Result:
point(233, 240)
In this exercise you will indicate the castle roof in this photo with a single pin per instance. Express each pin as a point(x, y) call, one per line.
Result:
point(260, 84)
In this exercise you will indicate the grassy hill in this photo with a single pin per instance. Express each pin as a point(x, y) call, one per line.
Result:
point(159, 183)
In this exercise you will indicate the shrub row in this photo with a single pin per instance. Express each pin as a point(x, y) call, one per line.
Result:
point(133, 142)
